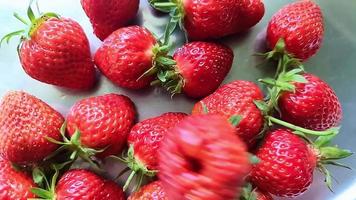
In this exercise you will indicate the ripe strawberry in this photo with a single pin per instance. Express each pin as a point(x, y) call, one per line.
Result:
point(300, 24)
point(152, 191)
point(56, 51)
point(236, 98)
point(199, 69)
point(14, 184)
point(25, 122)
point(107, 16)
point(287, 163)
point(201, 158)
point(313, 105)
point(204, 20)
point(103, 122)
point(126, 55)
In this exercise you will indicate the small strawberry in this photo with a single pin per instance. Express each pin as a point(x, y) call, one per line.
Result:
point(25, 123)
point(202, 158)
point(213, 19)
point(144, 140)
point(198, 69)
point(14, 185)
point(287, 162)
point(56, 51)
point(300, 25)
point(107, 16)
point(126, 55)
point(236, 98)
point(152, 191)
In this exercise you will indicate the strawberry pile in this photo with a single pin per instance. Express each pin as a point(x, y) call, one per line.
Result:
point(241, 141)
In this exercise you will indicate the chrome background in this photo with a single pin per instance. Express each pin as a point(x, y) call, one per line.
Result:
point(335, 63)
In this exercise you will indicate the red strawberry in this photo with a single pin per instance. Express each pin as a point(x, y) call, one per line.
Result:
point(201, 158)
point(313, 105)
point(126, 55)
point(103, 121)
point(199, 69)
point(300, 24)
point(107, 16)
point(144, 140)
point(214, 18)
point(152, 191)
point(236, 98)
point(14, 184)
point(25, 123)
point(56, 51)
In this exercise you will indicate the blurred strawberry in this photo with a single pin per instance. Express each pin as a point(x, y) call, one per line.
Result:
point(152, 191)
point(107, 16)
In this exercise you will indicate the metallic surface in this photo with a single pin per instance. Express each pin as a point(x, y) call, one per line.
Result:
point(335, 63)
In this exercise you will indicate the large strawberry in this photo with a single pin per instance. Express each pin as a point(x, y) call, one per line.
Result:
point(56, 51)
point(14, 184)
point(198, 69)
point(152, 191)
point(213, 18)
point(126, 55)
point(25, 123)
point(107, 16)
point(236, 98)
point(202, 158)
point(300, 25)
point(287, 162)
point(144, 140)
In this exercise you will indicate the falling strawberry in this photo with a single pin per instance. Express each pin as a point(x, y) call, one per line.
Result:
point(14, 184)
point(212, 19)
point(236, 98)
point(202, 158)
point(107, 16)
point(56, 51)
point(152, 191)
point(287, 162)
point(144, 140)
point(25, 123)
point(300, 25)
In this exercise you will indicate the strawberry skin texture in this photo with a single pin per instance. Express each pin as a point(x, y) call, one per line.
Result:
point(147, 135)
point(104, 122)
point(58, 53)
point(107, 16)
point(126, 55)
point(78, 184)
point(14, 185)
point(286, 164)
point(314, 105)
point(25, 122)
point(301, 26)
point(203, 66)
point(204, 20)
point(202, 158)
point(236, 98)
point(152, 191)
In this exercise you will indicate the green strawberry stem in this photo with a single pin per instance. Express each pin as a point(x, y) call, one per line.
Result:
point(248, 192)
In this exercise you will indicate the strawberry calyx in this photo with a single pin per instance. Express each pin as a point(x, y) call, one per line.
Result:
point(248, 192)
point(136, 166)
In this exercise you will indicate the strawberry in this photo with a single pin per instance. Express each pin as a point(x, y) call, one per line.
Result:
point(313, 105)
point(287, 162)
point(236, 98)
point(55, 51)
point(107, 16)
point(126, 55)
point(152, 191)
point(144, 140)
point(202, 158)
point(300, 25)
point(198, 70)
point(203, 20)
point(25, 123)
point(14, 184)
